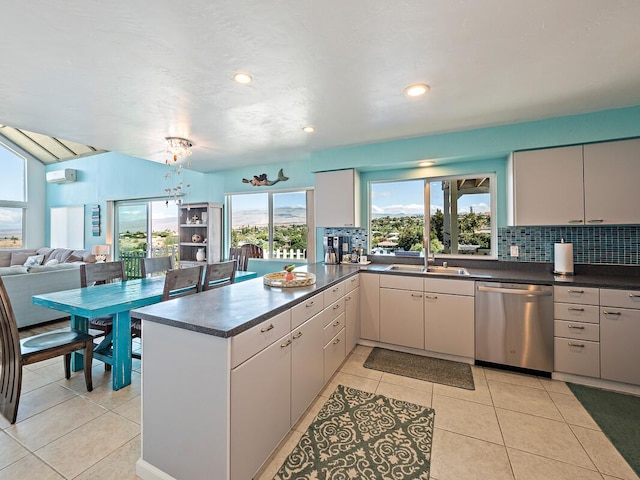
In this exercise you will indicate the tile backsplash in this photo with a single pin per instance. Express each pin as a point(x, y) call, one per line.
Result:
point(605, 244)
point(358, 237)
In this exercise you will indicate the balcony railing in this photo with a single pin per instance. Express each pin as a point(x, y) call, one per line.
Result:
point(133, 259)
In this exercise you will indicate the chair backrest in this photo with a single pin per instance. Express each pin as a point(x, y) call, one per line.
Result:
point(181, 282)
point(10, 342)
point(253, 251)
point(219, 274)
point(241, 257)
point(155, 265)
point(100, 273)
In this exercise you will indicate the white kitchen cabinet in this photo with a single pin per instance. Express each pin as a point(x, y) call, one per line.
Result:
point(449, 325)
point(337, 198)
point(369, 306)
point(611, 172)
point(577, 185)
point(619, 334)
point(402, 317)
point(307, 364)
point(352, 313)
point(261, 407)
point(576, 356)
point(334, 354)
point(548, 186)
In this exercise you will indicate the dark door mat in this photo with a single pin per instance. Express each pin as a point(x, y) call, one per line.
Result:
point(618, 415)
point(437, 370)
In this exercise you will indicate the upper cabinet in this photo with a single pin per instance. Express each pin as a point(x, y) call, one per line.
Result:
point(579, 185)
point(337, 199)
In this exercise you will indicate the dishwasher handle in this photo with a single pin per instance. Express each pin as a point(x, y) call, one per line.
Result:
point(515, 291)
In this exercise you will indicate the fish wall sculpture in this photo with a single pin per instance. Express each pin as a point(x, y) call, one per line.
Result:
point(262, 180)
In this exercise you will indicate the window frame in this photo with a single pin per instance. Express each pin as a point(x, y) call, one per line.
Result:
point(493, 255)
point(18, 204)
point(310, 258)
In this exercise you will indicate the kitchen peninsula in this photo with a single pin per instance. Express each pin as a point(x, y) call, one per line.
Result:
point(228, 371)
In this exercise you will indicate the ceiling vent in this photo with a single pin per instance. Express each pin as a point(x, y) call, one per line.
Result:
point(68, 175)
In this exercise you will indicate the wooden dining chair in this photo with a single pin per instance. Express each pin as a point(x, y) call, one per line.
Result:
point(16, 353)
point(219, 274)
point(253, 251)
point(156, 265)
point(241, 257)
point(181, 282)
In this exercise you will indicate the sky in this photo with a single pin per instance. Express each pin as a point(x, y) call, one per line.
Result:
point(12, 190)
point(406, 197)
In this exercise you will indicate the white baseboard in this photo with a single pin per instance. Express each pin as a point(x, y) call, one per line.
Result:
point(146, 471)
point(597, 382)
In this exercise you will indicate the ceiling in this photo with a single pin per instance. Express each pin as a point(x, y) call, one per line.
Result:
point(123, 78)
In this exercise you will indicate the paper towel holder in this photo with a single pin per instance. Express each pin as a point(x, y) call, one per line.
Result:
point(568, 269)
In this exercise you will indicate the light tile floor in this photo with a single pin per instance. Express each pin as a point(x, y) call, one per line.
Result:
point(510, 427)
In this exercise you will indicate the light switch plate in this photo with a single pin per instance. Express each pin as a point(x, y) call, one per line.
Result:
point(514, 251)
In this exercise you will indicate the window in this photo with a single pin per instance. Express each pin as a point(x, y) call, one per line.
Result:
point(460, 220)
point(12, 198)
point(275, 221)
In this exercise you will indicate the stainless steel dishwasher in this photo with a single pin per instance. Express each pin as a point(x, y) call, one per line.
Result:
point(514, 325)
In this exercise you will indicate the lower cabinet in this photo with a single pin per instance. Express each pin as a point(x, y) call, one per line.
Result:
point(307, 364)
point(578, 357)
point(334, 354)
point(352, 314)
point(369, 306)
point(402, 317)
point(260, 407)
point(619, 352)
point(449, 325)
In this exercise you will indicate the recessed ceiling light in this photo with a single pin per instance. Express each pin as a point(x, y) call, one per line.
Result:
point(309, 129)
point(243, 78)
point(427, 163)
point(416, 89)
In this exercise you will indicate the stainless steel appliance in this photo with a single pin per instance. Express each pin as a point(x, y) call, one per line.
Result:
point(514, 325)
point(332, 249)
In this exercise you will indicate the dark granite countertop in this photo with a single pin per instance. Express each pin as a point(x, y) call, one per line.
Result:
point(228, 311)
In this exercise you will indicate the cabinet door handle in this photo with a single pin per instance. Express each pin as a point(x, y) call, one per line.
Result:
point(297, 335)
point(286, 344)
point(336, 323)
point(266, 329)
point(575, 221)
point(577, 327)
point(346, 299)
point(633, 295)
point(433, 297)
point(571, 344)
point(310, 304)
point(337, 341)
point(575, 309)
point(419, 295)
point(595, 220)
point(335, 289)
point(611, 313)
point(335, 307)
point(575, 291)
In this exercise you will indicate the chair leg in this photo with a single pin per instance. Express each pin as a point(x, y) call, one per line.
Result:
point(11, 386)
point(67, 366)
point(88, 360)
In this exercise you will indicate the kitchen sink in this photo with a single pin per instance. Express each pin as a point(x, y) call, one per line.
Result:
point(431, 270)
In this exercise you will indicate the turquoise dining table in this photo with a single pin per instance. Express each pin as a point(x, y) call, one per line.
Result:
point(117, 299)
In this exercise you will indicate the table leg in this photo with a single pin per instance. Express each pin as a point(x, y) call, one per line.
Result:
point(82, 324)
point(121, 374)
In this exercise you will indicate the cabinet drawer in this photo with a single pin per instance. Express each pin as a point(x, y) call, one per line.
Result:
point(579, 357)
point(334, 293)
point(401, 282)
point(334, 354)
point(351, 283)
point(334, 311)
point(305, 310)
point(576, 312)
point(252, 341)
point(454, 287)
point(577, 330)
point(620, 298)
point(333, 327)
point(589, 296)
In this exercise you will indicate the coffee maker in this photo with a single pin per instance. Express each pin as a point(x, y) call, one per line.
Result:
point(332, 249)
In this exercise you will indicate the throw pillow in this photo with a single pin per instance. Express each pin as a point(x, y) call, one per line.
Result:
point(51, 262)
point(33, 260)
point(73, 258)
point(19, 258)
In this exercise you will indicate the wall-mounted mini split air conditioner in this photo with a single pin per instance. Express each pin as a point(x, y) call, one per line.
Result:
point(68, 175)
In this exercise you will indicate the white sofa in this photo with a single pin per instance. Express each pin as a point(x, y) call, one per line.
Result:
point(23, 282)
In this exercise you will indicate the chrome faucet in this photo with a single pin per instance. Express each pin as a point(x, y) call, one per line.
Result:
point(429, 258)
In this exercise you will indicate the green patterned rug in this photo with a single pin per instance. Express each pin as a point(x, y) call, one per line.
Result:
point(360, 435)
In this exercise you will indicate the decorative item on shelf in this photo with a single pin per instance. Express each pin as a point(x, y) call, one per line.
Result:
point(180, 148)
point(204, 216)
point(196, 238)
point(101, 252)
point(262, 180)
point(200, 255)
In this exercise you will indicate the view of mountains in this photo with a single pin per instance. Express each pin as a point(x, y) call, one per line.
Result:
point(282, 216)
